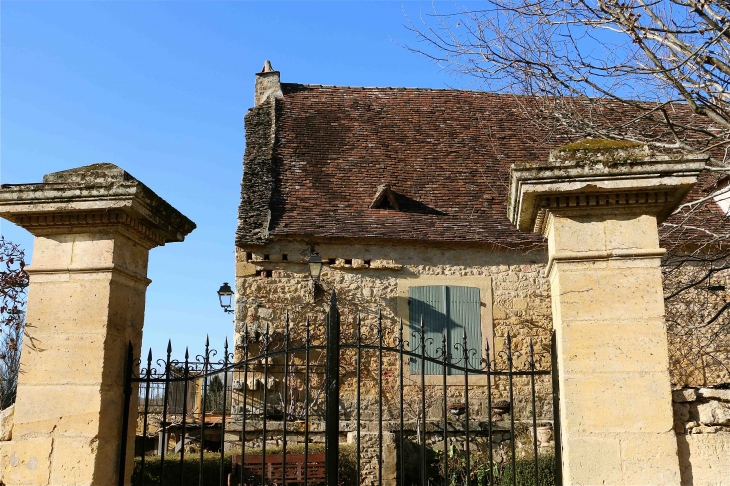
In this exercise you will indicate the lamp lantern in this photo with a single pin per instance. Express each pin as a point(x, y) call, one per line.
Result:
point(315, 266)
point(225, 297)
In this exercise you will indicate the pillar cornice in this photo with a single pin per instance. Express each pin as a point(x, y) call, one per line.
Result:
point(94, 198)
point(581, 181)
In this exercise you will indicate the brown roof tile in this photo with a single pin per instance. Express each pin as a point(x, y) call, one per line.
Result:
point(445, 154)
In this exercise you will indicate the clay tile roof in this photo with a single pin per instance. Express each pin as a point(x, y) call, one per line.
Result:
point(445, 154)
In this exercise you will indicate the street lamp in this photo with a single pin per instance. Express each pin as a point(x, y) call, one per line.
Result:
point(225, 297)
point(315, 270)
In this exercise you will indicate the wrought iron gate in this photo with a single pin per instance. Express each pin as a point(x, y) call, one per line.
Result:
point(278, 413)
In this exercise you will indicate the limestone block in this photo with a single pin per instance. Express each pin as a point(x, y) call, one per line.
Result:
point(79, 353)
point(704, 459)
point(631, 232)
point(357, 263)
point(591, 458)
point(649, 459)
point(714, 413)
point(595, 346)
point(715, 393)
point(6, 423)
point(385, 265)
point(75, 458)
point(580, 234)
point(5, 448)
point(244, 269)
point(644, 396)
point(48, 307)
point(42, 409)
point(684, 395)
point(29, 462)
point(609, 294)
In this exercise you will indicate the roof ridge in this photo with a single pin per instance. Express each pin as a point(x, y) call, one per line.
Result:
point(396, 88)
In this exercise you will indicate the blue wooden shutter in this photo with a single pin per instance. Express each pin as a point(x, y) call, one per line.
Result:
point(463, 312)
point(429, 302)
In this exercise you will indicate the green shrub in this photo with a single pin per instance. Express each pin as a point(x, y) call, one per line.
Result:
point(191, 470)
point(526, 472)
point(211, 466)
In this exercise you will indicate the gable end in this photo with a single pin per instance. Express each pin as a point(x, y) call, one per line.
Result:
point(254, 212)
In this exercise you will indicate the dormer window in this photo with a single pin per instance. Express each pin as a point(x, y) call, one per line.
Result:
point(384, 199)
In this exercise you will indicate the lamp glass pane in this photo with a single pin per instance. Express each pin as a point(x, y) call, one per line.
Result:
point(315, 269)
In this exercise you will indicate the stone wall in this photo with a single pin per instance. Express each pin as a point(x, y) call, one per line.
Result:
point(699, 344)
point(274, 279)
point(702, 424)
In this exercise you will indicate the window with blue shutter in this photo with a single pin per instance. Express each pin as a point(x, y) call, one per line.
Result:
point(450, 308)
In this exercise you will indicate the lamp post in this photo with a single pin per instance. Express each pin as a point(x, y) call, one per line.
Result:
point(315, 270)
point(225, 297)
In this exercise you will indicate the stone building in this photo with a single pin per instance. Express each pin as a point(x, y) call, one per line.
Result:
point(403, 193)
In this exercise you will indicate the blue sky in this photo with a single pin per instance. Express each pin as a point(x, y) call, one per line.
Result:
point(160, 89)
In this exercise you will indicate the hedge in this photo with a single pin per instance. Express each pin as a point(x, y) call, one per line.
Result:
point(526, 472)
point(211, 466)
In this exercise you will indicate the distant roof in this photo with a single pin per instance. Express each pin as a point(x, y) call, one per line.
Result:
point(444, 154)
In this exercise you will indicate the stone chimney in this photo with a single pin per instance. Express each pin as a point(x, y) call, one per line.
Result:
point(268, 82)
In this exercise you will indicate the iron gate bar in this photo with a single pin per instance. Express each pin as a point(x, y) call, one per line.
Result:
point(512, 408)
point(266, 408)
point(165, 427)
point(146, 409)
point(489, 412)
point(357, 411)
point(423, 405)
point(380, 398)
point(127, 391)
point(556, 410)
point(223, 417)
point(534, 415)
point(286, 388)
point(307, 344)
point(206, 359)
point(332, 426)
point(245, 399)
point(400, 344)
point(466, 404)
point(444, 355)
point(184, 416)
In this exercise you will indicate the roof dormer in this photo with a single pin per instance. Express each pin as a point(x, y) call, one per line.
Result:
point(384, 199)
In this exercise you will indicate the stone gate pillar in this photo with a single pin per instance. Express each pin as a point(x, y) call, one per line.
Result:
point(598, 204)
point(93, 228)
